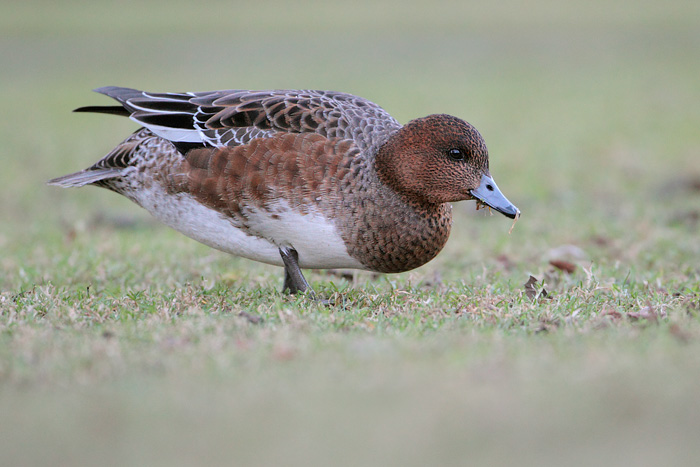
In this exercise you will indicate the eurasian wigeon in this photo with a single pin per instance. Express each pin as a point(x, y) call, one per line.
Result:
point(300, 179)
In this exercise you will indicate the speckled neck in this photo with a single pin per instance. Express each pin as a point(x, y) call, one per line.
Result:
point(389, 232)
point(401, 236)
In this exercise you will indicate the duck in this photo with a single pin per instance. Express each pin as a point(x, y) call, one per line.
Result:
point(296, 178)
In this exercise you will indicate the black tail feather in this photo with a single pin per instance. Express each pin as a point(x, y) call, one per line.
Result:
point(105, 109)
point(119, 94)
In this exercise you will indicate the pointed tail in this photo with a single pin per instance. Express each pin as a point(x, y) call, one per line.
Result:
point(119, 94)
point(86, 177)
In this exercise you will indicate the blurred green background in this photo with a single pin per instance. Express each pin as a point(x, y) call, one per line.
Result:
point(587, 107)
point(591, 111)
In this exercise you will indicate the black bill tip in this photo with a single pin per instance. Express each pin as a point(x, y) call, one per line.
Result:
point(489, 194)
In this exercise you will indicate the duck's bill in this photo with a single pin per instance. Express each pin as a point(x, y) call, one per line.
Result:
point(489, 194)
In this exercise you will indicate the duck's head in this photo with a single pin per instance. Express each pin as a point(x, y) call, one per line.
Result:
point(439, 159)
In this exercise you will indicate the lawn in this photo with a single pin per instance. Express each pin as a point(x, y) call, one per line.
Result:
point(124, 343)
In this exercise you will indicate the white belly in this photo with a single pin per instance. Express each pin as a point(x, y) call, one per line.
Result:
point(313, 236)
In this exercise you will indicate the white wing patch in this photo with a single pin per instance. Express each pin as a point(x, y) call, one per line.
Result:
point(176, 135)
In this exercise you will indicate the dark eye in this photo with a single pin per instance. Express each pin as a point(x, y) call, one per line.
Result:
point(456, 154)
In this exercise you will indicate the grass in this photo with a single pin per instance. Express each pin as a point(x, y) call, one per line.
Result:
point(124, 343)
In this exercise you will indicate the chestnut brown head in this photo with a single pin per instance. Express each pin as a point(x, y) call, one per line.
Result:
point(439, 159)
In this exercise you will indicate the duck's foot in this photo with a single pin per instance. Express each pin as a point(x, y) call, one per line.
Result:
point(294, 281)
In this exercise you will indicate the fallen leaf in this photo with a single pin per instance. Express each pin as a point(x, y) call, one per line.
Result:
point(562, 265)
point(531, 291)
point(648, 313)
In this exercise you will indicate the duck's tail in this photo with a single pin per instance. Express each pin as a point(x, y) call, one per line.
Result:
point(119, 94)
point(113, 165)
point(86, 177)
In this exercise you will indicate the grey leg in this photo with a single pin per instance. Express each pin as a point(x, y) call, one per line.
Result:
point(294, 280)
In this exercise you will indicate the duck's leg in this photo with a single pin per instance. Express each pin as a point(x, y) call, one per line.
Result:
point(294, 280)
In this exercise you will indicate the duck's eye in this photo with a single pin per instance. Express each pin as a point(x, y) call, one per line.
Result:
point(456, 154)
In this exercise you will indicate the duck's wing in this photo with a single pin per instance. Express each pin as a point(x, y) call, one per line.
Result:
point(236, 117)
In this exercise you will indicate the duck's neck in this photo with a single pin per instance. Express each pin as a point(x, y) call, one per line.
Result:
point(393, 234)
